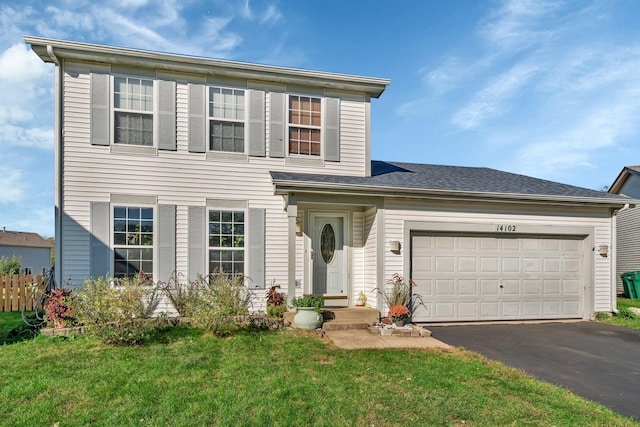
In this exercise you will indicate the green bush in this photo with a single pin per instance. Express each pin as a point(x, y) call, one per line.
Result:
point(314, 301)
point(115, 309)
point(10, 265)
point(182, 294)
point(219, 301)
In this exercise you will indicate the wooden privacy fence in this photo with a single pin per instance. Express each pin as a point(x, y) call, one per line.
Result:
point(15, 290)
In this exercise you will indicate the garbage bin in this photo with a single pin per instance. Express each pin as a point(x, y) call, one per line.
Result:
point(631, 284)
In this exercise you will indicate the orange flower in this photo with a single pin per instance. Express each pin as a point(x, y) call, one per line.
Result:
point(399, 312)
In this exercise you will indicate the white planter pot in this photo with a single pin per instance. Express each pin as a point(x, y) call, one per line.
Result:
point(307, 318)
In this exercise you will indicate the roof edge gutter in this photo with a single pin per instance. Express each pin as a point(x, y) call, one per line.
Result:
point(283, 187)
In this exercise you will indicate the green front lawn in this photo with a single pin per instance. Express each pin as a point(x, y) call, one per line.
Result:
point(621, 319)
point(271, 378)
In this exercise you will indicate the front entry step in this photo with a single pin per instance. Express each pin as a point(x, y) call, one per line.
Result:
point(341, 319)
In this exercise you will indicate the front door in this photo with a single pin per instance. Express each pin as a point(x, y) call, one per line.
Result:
point(329, 272)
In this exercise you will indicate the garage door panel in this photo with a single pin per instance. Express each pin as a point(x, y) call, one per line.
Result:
point(444, 287)
point(467, 287)
point(445, 264)
point(484, 277)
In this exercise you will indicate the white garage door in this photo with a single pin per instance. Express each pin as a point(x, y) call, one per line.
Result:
point(488, 277)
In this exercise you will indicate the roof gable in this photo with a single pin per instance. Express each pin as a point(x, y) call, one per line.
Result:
point(627, 173)
point(23, 239)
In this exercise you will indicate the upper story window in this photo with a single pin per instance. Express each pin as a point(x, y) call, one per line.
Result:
point(133, 111)
point(133, 241)
point(226, 119)
point(305, 121)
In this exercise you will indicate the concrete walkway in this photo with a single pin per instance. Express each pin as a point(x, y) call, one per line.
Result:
point(355, 339)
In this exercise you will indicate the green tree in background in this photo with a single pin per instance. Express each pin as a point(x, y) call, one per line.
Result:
point(10, 265)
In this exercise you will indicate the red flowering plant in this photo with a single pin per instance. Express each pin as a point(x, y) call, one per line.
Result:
point(60, 308)
point(399, 312)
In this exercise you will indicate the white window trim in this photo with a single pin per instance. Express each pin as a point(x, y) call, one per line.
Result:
point(245, 248)
point(112, 245)
point(112, 112)
point(321, 127)
point(233, 154)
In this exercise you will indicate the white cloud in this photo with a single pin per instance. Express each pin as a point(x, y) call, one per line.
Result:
point(25, 136)
point(490, 101)
point(520, 24)
point(12, 184)
point(20, 65)
point(271, 15)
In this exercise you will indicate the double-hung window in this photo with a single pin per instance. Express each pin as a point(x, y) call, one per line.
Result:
point(226, 120)
point(305, 121)
point(133, 241)
point(133, 111)
point(227, 242)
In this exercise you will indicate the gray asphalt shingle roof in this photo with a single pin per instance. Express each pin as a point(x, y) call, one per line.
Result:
point(447, 178)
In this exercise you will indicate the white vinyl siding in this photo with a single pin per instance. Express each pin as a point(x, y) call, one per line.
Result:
point(628, 246)
point(370, 236)
point(92, 173)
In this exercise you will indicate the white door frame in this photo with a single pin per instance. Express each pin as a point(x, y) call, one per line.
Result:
point(346, 239)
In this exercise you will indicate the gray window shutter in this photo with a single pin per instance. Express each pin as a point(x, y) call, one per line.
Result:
point(277, 124)
point(166, 115)
point(166, 242)
point(256, 248)
point(99, 109)
point(256, 123)
point(197, 124)
point(332, 130)
point(100, 251)
point(197, 235)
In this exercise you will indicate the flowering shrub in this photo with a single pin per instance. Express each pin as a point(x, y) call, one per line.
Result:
point(275, 303)
point(399, 312)
point(397, 292)
point(60, 308)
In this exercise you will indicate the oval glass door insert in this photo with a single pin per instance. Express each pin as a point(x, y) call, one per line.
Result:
point(327, 243)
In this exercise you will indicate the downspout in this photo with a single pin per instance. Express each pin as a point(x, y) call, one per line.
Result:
point(57, 159)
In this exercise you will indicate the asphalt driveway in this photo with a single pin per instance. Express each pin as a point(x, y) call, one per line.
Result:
point(596, 361)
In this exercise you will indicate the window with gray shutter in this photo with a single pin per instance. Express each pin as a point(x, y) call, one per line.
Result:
point(256, 123)
point(196, 242)
point(99, 252)
point(256, 248)
point(166, 115)
point(99, 109)
point(332, 130)
point(166, 241)
point(277, 124)
point(197, 124)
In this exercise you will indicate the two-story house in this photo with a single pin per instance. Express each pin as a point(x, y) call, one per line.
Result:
point(169, 163)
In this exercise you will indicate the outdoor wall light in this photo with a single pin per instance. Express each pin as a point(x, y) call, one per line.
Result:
point(394, 246)
point(603, 250)
point(298, 226)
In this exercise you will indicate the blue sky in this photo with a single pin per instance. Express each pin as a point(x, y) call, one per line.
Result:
point(549, 89)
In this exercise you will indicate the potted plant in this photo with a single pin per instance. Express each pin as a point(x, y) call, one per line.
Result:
point(362, 300)
point(308, 308)
point(399, 313)
point(397, 293)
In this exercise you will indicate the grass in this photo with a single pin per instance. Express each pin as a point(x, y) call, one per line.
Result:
point(621, 319)
point(271, 378)
point(13, 328)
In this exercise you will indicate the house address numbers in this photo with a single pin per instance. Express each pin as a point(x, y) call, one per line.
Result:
point(506, 228)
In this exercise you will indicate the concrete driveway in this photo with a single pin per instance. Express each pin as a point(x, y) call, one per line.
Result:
point(596, 361)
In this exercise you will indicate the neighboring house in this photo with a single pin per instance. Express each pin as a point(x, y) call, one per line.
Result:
point(628, 223)
point(177, 163)
point(34, 250)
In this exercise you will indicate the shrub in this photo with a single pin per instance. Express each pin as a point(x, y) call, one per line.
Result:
point(10, 265)
point(115, 309)
point(397, 292)
point(315, 301)
point(221, 299)
point(60, 308)
point(182, 294)
point(275, 303)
